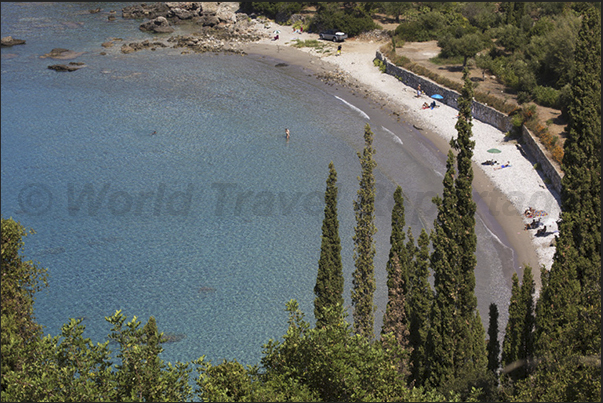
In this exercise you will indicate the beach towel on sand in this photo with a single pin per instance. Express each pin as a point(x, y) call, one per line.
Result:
point(537, 213)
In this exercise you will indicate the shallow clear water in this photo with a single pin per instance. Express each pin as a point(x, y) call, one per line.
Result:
point(212, 223)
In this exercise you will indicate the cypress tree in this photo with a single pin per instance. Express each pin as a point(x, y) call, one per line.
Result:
point(421, 299)
point(568, 314)
point(513, 332)
point(528, 290)
point(518, 344)
point(493, 346)
point(394, 319)
point(329, 280)
point(396, 311)
point(445, 315)
point(461, 358)
point(475, 346)
point(411, 255)
point(364, 244)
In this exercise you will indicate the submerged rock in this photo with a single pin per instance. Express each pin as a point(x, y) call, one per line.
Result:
point(136, 46)
point(73, 66)
point(61, 54)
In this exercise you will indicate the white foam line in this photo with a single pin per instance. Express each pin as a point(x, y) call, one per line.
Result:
point(354, 107)
point(396, 138)
point(496, 237)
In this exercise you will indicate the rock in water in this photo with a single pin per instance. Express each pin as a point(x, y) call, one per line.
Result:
point(8, 41)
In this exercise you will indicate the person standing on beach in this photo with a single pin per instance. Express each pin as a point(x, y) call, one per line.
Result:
point(339, 50)
point(419, 91)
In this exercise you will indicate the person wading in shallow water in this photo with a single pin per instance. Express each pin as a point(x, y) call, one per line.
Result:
point(287, 133)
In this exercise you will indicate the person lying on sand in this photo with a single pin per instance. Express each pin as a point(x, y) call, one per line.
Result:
point(425, 105)
point(490, 162)
point(503, 166)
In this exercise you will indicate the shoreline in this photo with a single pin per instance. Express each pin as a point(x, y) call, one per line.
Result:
point(504, 193)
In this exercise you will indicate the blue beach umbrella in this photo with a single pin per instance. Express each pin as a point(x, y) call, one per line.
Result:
point(437, 96)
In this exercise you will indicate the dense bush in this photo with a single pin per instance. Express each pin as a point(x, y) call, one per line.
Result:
point(481, 15)
point(546, 96)
point(426, 27)
point(353, 20)
point(467, 46)
point(278, 11)
point(510, 37)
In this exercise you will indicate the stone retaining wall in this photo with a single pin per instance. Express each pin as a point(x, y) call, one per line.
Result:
point(481, 112)
point(537, 151)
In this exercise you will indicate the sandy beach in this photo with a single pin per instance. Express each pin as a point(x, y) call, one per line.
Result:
point(507, 191)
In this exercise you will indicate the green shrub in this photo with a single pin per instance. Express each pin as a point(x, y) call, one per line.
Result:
point(279, 11)
point(546, 96)
point(425, 27)
point(352, 19)
point(523, 97)
point(380, 64)
point(510, 37)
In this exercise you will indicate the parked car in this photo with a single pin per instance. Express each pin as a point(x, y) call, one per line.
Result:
point(333, 35)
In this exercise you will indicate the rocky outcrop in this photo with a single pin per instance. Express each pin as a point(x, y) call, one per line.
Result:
point(72, 66)
point(204, 43)
point(8, 41)
point(159, 25)
point(201, 13)
point(145, 11)
point(221, 27)
point(61, 54)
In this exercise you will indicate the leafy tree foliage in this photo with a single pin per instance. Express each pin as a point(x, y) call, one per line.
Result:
point(336, 364)
point(350, 17)
point(395, 8)
point(364, 243)
point(467, 46)
point(277, 10)
point(70, 367)
point(329, 280)
point(481, 14)
point(21, 279)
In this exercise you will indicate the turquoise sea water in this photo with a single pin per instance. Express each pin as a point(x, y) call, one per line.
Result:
point(212, 223)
